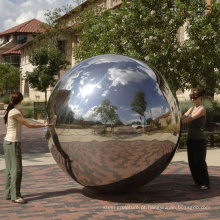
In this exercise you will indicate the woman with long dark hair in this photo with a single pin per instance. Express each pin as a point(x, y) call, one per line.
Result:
point(196, 142)
point(14, 120)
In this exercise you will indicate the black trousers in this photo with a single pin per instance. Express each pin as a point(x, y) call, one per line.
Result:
point(196, 150)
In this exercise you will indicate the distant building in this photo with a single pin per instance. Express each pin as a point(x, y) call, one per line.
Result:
point(12, 38)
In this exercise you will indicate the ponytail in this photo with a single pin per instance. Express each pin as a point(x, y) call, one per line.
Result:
point(16, 98)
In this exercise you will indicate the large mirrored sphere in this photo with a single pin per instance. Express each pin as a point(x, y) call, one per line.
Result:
point(116, 123)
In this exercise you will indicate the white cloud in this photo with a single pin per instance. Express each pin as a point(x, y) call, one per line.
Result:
point(105, 93)
point(158, 111)
point(80, 112)
point(50, 1)
point(89, 114)
point(124, 76)
point(10, 23)
point(13, 13)
point(110, 58)
point(40, 15)
point(25, 17)
point(27, 4)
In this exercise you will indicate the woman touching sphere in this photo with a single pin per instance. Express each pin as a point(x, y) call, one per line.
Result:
point(14, 121)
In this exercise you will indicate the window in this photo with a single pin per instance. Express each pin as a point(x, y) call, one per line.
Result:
point(61, 46)
point(1, 40)
point(13, 60)
point(8, 38)
point(21, 39)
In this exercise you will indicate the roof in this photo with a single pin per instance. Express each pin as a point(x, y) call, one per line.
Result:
point(24, 45)
point(12, 51)
point(83, 5)
point(30, 26)
point(65, 16)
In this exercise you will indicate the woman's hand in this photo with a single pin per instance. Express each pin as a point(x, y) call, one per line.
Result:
point(48, 125)
point(199, 113)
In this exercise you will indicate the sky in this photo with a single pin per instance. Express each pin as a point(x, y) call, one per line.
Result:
point(15, 12)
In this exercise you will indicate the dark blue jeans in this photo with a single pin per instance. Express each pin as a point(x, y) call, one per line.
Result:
point(196, 150)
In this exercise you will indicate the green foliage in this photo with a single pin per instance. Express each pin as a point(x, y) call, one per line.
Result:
point(27, 102)
point(49, 62)
point(10, 78)
point(107, 112)
point(5, 99)
point(55, 27)
point(28, 107)
point(168, 121)
point(201, 52)
point(29, 112)
point(139, 104)
point(147, 30)
point(149, 120)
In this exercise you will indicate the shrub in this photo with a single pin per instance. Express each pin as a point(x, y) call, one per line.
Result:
point(5, 99)
point(29, 112)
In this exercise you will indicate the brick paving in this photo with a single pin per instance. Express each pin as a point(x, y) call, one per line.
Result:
point(51, 194)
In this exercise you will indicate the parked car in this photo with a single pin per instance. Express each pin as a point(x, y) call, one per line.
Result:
point(138, 126)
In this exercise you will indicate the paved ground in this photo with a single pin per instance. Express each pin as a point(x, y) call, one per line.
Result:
point(51, 194)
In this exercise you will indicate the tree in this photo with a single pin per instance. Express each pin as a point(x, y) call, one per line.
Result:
point(201, 51)
point(107, 112)
point(48, 64)
point(139, 105)
point(49, 51)
point(147, 30)
point(10, 78)
point(149, 120)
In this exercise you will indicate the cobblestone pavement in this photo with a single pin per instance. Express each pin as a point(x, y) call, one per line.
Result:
point(51, 194)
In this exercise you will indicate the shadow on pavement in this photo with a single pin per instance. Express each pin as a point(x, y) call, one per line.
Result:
point(165, 188)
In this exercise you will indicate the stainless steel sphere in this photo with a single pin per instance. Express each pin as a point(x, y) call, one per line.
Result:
point(116, 123)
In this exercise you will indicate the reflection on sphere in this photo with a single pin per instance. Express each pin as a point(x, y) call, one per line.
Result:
point(116, 123)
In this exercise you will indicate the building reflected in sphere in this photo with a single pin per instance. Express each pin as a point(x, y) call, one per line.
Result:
point(116, 123)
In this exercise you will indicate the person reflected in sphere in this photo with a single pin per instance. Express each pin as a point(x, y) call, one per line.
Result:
point(196, 142)
point(14, 120)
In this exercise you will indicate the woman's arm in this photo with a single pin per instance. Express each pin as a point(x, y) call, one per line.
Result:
point(27, 123)
point(201, 112)
point(186, 114)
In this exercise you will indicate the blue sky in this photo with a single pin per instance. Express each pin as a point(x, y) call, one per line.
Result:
point(15, 12)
